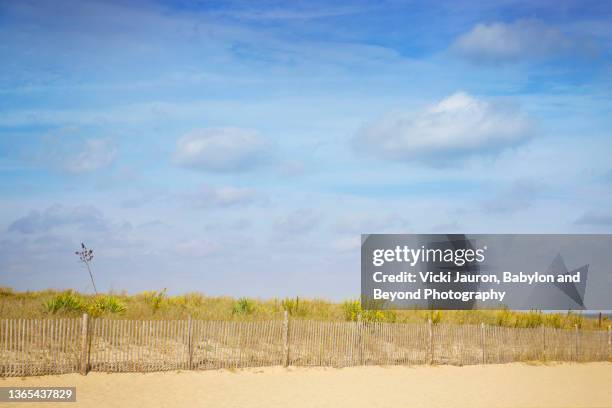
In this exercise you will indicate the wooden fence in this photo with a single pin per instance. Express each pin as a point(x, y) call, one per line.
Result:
point(55, 346)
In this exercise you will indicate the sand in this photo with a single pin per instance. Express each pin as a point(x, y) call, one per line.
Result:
point(507, 385)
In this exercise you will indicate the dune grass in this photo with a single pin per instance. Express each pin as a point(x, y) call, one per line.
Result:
point(158, 305)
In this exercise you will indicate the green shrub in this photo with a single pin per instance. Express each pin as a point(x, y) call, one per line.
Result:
point(106, 304)
point(66, 303)
point(243, 306)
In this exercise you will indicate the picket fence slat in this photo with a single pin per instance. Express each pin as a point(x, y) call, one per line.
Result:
point(55, 346)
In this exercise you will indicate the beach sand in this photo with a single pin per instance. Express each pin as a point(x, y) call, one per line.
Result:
point(504, 385)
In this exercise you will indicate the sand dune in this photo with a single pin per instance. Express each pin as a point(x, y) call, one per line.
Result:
point(508, 385)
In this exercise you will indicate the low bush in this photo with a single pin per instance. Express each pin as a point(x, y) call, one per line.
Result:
point(244, 306)
point(106, 305)
point(67, 303)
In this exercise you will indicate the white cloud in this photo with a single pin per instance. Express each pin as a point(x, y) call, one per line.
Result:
point(221, 149)
point(500, 42)
point(457, 126)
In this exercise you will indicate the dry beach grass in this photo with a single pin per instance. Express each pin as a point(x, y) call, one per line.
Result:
point(158, 305)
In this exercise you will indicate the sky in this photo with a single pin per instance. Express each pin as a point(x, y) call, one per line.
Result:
point(240, 148)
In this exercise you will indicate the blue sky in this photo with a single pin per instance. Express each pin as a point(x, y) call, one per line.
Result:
point(240, 148)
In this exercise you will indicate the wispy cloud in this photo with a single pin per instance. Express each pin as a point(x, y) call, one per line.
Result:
point(94, 154)
point(57, 216)
point(66, 150)
point(520, 40)
point(221, 150)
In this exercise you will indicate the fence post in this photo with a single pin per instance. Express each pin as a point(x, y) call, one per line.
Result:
point(189, 343)
point(482, 339)
point(286, 339)
point(431, 349)
point(84, 345)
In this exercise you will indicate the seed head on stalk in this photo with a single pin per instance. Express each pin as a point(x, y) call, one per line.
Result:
point(86, 255)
